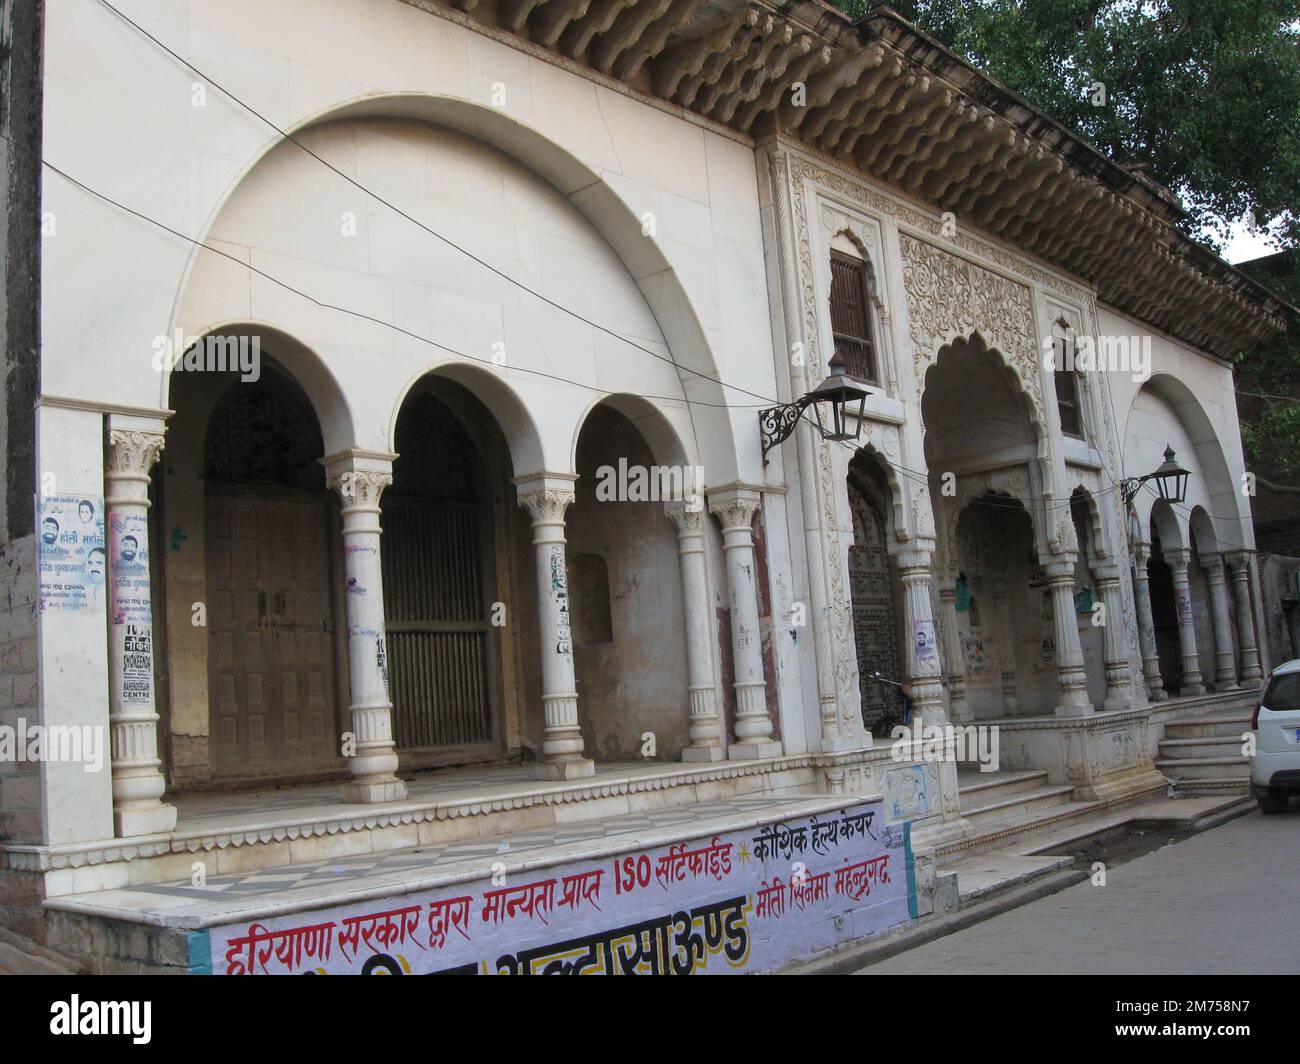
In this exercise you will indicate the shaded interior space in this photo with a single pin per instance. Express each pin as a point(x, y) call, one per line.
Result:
point(253, 654)
point(1005, 628)
point(625, 590)
point(1164, 616)
point(249, 583)
point(456, 596)
point(974, 413)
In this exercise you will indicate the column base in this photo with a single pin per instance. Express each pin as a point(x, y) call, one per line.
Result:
point(1075, 709)
point(153, 820)
point(571, 769)
point(1120, 702)
point(1191, 689)
point(368, 792)
point(754, 751)
point(703, 753)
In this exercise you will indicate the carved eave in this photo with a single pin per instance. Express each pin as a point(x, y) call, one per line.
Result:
point(884, 98)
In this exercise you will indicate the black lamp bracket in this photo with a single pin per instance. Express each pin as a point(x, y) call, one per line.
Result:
point(777, 422)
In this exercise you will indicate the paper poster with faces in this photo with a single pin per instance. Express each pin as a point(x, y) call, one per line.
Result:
point(72, 560)
point(129, 552)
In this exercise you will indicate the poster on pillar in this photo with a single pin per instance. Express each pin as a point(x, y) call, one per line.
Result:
point(72, 558)
point(751, 900)
point(128, 536)
point(923, 641)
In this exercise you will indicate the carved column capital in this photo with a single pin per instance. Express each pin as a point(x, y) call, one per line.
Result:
point(360, 478)
point(547, 506)
point(1213, 567)
point(360, 489)
point(1239, 561)
point(687, 521)
point(735, 507)
point(133, 452)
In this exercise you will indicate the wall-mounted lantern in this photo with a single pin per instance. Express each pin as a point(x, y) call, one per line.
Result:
point(1170, 478)
point(844, 398)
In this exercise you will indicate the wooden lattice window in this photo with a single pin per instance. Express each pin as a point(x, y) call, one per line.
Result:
point(262, 433)
point(1067, 403)
point(851, 317)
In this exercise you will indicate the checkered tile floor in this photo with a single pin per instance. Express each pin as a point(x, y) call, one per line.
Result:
point(454, 856)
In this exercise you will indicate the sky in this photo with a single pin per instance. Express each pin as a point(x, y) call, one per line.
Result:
point(1244, 245)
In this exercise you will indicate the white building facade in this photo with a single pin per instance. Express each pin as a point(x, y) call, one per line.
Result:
point(347, 311)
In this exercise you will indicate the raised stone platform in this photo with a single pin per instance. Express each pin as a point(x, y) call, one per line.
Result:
point(389, 912)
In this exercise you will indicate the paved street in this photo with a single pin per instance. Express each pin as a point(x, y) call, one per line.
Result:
point(1225, 901)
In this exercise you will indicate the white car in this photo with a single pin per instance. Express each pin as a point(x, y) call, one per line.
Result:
point(1275, 768)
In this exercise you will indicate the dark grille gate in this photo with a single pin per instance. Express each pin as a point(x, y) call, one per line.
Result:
point(437, 623)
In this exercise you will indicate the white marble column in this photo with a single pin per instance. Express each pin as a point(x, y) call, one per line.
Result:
point(954, 663)
point(138, 783)
point(1146, 623)
point(735, 508)
point(1119, 679)
point(704, 728)
point(360, 478)
point(546, 496)
point(1225, 661)
point(1069, 650)
point(1251, 671)
point(1178, 560)
point(924, 665)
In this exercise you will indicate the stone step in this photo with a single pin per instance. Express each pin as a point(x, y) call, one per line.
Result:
point(1211, 746)
point(993, 805)
point(1013, 827)
point(975, 786)
point(1224, 725)
point(1212, 785)
point(1204, 768)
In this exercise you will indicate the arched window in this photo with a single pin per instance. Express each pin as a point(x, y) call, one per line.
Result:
point(851, 316)
point(1068, 404)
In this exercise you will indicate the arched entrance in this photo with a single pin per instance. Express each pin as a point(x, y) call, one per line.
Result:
point(1002, 609)
point(873, 586)
point(272, 674)
point(625, 583)
point(441, 557)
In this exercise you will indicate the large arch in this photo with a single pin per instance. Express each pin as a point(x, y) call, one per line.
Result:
point(1174, 416)
point(308, 369)
point(975, 343)
point(665, 440)
point(517, 425)
point(687, 345)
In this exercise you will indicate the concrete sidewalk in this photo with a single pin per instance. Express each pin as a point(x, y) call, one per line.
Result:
point(1224, 901)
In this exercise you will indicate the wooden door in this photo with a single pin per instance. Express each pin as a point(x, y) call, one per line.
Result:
point(875, 618)
point(270, 648)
